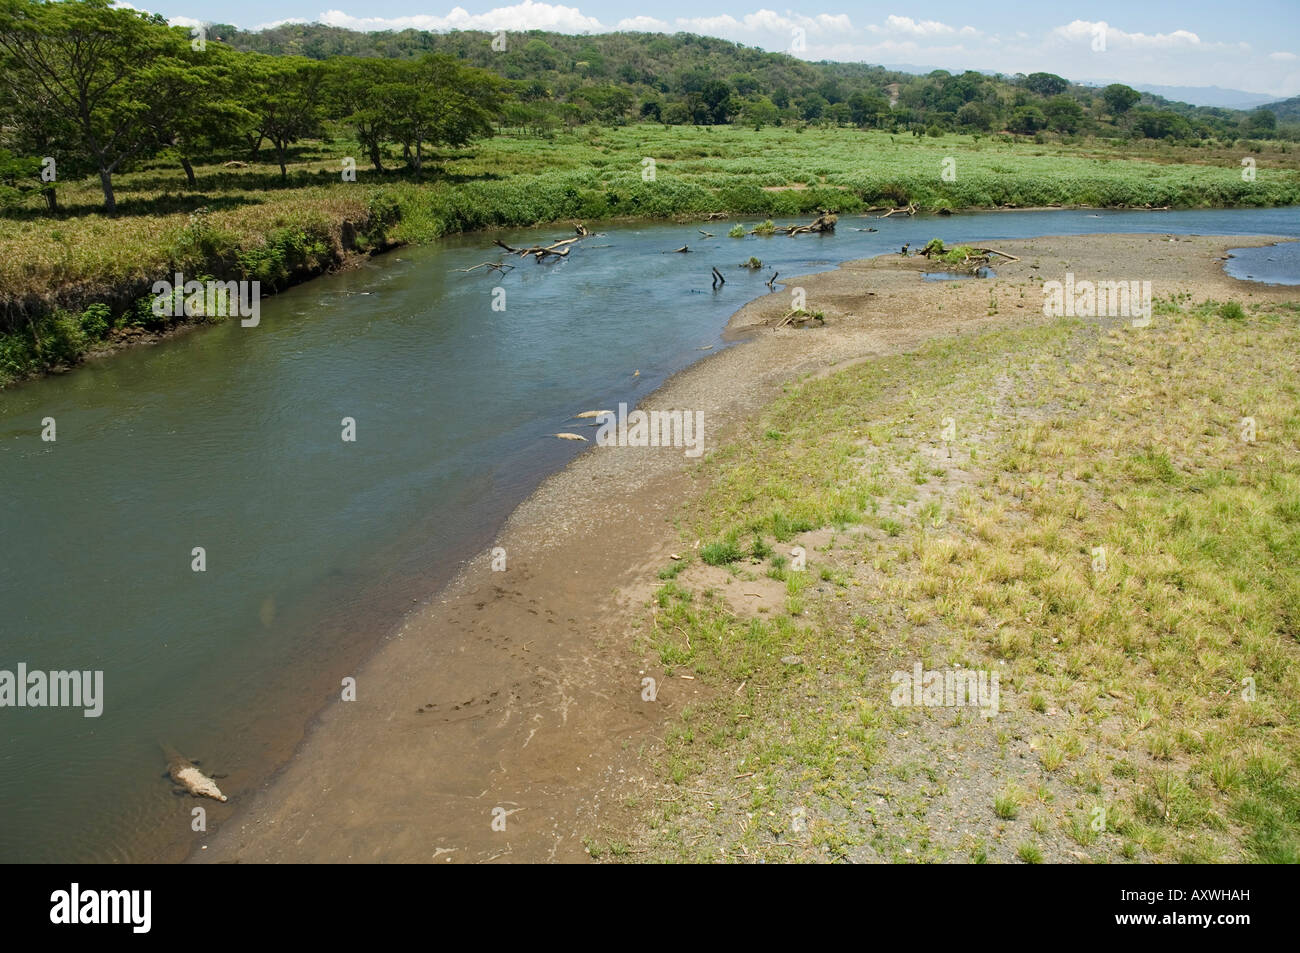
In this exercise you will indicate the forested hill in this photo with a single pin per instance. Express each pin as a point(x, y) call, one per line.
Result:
point(1286, 109)
point(684, 78)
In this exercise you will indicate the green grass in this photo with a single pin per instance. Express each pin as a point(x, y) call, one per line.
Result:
point(1163, 690)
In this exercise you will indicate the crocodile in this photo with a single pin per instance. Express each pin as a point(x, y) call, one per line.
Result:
point(188, 778)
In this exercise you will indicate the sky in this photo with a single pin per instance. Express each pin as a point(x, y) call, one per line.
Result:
point(1248, 45)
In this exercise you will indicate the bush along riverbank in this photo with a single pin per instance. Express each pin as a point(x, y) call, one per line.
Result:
point(44, 331)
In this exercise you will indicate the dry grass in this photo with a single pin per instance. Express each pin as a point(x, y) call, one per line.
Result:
point(1149, 705)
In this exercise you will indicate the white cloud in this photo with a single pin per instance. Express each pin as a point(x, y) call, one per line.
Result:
point(766, 21)
point(275, 23)
point(897, 24)
point(644, 25)
point(522, 16)
point(1083, 31)
point(1283, 57)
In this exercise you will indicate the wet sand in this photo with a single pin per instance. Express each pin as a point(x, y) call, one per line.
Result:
point(514, 699)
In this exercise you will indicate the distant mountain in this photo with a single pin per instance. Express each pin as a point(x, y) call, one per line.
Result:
point(1198, 95)
point(1192, 95)
point(1286, 109)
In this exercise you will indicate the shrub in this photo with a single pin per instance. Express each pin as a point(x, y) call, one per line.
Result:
point(95, 321)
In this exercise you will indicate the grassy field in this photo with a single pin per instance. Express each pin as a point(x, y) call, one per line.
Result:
point(1149, 699)
point(246, 223)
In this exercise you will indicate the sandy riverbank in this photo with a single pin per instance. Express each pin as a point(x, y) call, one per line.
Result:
point(520, 690)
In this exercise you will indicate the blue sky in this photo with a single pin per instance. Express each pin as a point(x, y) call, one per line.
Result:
point(1251, 45)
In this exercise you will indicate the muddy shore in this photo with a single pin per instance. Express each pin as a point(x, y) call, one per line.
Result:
point(515, 697)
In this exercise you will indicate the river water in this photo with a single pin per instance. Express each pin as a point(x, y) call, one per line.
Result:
point(230, 439)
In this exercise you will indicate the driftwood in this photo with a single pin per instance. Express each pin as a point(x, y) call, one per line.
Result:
point(771, 282)
point(718, 280)
point(973, 263)
point(824, 222)
point(799, 316)
point(678, 251)
point(558, 248)
point(500, 266)
point(716, 216)
point(909, 210)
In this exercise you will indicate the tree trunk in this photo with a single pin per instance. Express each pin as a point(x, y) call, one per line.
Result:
point(189, 172)
point(51, 198)
point(284, 172)
point(106, 182)
point(419, 154)
point(375, 159)
point(255, 148)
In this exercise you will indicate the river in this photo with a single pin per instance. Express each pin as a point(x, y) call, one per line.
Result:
point(230, 439)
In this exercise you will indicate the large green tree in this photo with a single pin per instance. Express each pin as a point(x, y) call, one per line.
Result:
point(363, 93)
point(207, 81)
point(1119, 98)
point(444, 103)
point(284, 95)
point(103, 74)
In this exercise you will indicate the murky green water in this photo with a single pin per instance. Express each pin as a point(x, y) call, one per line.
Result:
point(229, 438)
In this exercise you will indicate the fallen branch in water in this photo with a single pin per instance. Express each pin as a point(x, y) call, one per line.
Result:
point(908, 210)
point(500, 266)
point(824, 222)
point(718, 280)
point(558, 248)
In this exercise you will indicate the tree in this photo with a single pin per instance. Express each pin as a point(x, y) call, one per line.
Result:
point(362, 93)
point(1161, 124)
point(718, 103)
point(444, 103)
point(813, 106)
point(32, 134)
point(1063, 114)
point(1261, 123)
point(975, 116)
point(1119, 98)
point(104, 75)
point(1027, 120)
point(285, 95)
point(19, 175)
point(1046, 84)
point(760, 112)
point(676, 114)
point(610, 103)
point(205, 81)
